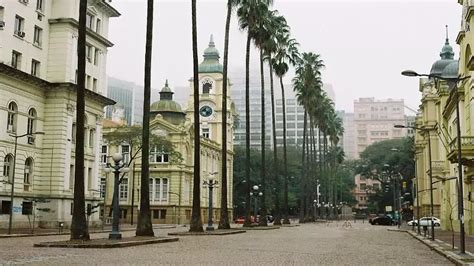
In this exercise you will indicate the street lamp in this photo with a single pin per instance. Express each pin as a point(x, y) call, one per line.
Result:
point(211, 184)
point(10, 220)
point(426, 131)
point(117, 168)
point(256, 194)
point(453, 80)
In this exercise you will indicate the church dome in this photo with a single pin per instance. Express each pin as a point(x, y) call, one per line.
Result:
point(211, 63)
point(451, 70)
point(166, 103)
point(447, 57)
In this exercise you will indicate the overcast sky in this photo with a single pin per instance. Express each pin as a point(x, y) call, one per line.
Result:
point(364, 44)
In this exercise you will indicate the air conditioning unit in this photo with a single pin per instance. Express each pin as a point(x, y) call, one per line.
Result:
point(20, 34)
point(31, 140)
point(9, 128)
point(24, 1)
point(2, 24)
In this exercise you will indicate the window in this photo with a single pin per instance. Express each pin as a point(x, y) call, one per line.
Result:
point(158, 155)
point(73, 133)
point(102, 187)
point(40, 5)
point(96, 56)
point(88, 82)
point(159, 189)
point(89, 53)
point(16, 59)
point(159, 214)
point(71, 176)
point(206, 87)
point(6, 205)
point(94, 84)
point(19, 25)
point(123, 190)
point(27, 208)
point(37, 36)
point(35, 68)
point(12, 116)
point(89, 178)
point(205, 132)
point(103, 154)
point(7, 167)
point(91, 138)
point(363, 186)
point(89, 20)
point(98, 25)
point(28, 174)
point(125, 153)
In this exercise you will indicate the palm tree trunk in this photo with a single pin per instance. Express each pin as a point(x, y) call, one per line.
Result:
point(224, 221)
point(276, 212)
point(79, 228)
point(286, 220)
point(303, 172)
point(263, 173)
point(196, 222)
point(144, 226)
point(247, 222)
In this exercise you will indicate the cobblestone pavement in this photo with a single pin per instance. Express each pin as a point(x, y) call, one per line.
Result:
point(308, 244)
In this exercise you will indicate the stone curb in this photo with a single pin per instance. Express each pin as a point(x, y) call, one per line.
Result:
point(289, 225)
point(68, 233)
point(209, 233)
point(437, 247)
point(256, 228)
point(117, 244)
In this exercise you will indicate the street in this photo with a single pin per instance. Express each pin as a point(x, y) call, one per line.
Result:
point(315, 244)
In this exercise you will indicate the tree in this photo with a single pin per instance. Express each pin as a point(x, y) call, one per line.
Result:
point(79, 228)
point(144, 226)
point(286, 53)
point(196, 223)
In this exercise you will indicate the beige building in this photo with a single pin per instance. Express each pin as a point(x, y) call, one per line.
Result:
point(38, 44)
point(171, 181)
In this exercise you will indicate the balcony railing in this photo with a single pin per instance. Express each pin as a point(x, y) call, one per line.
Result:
point(467, 148)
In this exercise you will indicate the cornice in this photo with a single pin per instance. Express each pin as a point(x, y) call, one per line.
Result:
point(94, 35)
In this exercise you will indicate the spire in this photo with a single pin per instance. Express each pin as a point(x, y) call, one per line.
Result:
point(447, 38)
point(211, 41)
point(447, 50)
point(166, 93)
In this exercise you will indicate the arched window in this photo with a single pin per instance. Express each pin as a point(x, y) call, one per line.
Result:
point(8, 167)
point(31, 127)
point(12, 117)
point(28, 174)
point(206, 86)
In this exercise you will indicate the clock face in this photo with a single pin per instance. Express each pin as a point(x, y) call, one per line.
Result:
point(205, 111)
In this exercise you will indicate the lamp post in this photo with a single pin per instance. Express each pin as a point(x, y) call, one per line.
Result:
point(10, 220)
point(117, 168)
point(455, 80)
point(256, 194)
point(426, 131)
point(211, 184)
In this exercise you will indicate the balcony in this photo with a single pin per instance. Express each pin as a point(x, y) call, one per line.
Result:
point(467, 150)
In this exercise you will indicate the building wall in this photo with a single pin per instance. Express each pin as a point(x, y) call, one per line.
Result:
point(51, 92)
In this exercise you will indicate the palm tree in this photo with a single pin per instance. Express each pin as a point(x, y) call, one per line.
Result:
point(79, 224)
point(286, 53)
point(144, 226)
point(224, 220)
point(196, 222)
point(248, 15)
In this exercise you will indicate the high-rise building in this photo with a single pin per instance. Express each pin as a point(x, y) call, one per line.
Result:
point(38, 69)
point(375, 120)
point(349, 136)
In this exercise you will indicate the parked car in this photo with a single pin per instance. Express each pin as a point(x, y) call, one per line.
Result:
point(425, 221)
point(240, 220)
point(382, 220)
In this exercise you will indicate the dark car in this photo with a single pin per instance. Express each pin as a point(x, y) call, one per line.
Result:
point(381, 220)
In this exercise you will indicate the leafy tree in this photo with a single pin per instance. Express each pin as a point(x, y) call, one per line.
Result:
point(79, 228)
point(144, 226)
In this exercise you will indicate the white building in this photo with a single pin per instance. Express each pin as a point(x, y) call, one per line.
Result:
point(38, 62)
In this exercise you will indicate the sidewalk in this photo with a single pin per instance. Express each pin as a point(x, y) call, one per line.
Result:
point(26, 232)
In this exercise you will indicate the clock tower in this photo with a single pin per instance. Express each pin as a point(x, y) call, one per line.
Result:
point(210, 98)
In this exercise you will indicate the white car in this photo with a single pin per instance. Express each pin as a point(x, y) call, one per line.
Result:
point(426, 221)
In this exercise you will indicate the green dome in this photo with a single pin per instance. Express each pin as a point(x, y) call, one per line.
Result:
point(166, 103)
point(211, 63)
point(451, 70)
point(447, 57)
